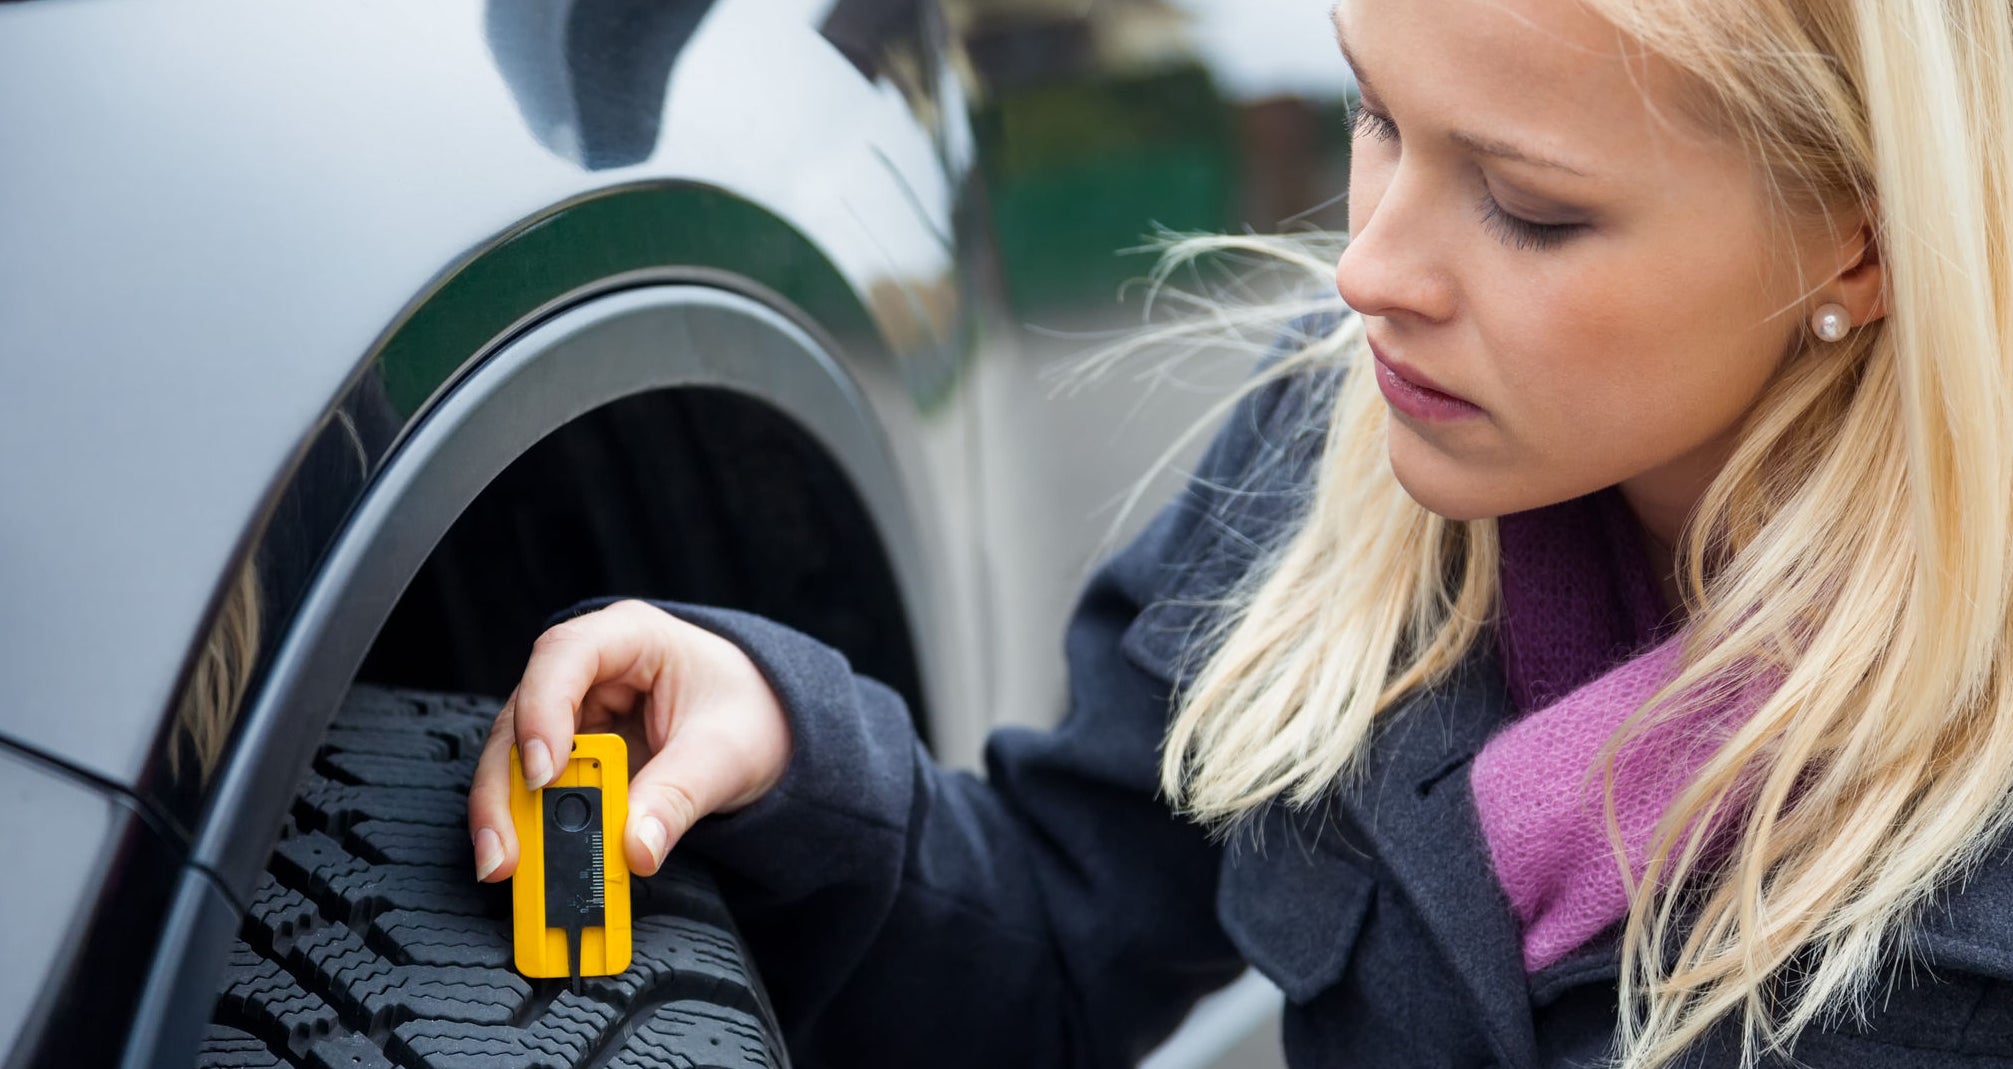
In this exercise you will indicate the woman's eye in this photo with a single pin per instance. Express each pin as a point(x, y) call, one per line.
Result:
point(1364, 121)
point(1523, 233)
point(1512, 230)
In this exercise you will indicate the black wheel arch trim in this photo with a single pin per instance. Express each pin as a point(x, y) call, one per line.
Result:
point(573, 253)
point(614, 346)
point(657, 333)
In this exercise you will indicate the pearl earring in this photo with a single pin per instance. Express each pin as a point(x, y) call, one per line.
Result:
point(1830, 322)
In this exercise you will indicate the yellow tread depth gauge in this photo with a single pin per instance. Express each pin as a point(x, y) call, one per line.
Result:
point(570, 896)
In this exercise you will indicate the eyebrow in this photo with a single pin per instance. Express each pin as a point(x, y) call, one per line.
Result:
point(1477, 143)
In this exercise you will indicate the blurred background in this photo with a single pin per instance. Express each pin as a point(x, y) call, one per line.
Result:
point(1101, 123)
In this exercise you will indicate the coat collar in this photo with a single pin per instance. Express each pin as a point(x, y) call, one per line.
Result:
point(1414, 809)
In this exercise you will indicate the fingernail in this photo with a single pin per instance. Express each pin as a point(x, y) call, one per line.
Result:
point(537, 764)
point(488, 853)
point(651, 832)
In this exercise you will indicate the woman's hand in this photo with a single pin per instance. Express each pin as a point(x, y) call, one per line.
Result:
point(715, 733)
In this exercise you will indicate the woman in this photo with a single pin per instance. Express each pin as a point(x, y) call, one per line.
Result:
point(1614, 663)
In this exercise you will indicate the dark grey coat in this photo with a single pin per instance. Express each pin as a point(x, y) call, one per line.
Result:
point(1056, 913)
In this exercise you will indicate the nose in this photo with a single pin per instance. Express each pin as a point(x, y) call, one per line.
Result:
point(1392, 264)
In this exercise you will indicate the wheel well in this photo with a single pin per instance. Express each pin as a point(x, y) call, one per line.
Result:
point(696, 494)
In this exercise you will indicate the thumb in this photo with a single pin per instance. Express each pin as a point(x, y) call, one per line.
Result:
point(668, 795)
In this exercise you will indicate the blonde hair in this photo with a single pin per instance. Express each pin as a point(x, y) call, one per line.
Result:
point(1853, 554)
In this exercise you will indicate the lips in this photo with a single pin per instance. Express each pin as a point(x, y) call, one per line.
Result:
point(1417, 396)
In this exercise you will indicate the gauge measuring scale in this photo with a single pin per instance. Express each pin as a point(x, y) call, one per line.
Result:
point(570, 895)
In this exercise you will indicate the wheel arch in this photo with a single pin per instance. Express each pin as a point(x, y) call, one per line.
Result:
point(545, 270)
point(296, 618)
point(627, 344)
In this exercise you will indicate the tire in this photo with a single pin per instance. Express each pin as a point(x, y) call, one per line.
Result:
point(368, 943)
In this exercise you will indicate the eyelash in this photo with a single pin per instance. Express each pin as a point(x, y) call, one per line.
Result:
point(1364, 121)
point(1512, 230)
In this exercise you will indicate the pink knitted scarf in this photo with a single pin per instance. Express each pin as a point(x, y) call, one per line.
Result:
point(1585, 641)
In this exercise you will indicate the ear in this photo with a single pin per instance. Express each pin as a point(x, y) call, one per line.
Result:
point(1861, 281)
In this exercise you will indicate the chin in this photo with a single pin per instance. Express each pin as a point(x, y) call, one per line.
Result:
point(1449, 504)
point(1446, 488)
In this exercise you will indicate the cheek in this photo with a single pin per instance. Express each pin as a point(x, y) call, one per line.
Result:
point(1590, 356)
point(1594, 382)
point(1633, 367)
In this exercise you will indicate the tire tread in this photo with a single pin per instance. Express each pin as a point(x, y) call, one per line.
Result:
point(368, 942)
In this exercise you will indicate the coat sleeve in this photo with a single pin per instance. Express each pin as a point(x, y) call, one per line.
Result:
point(1054, 913)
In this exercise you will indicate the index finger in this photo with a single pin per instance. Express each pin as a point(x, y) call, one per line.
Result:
point(613, 646)
point(489, 823)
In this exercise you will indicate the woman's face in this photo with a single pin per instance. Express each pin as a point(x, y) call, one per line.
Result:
point(1531, 234)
